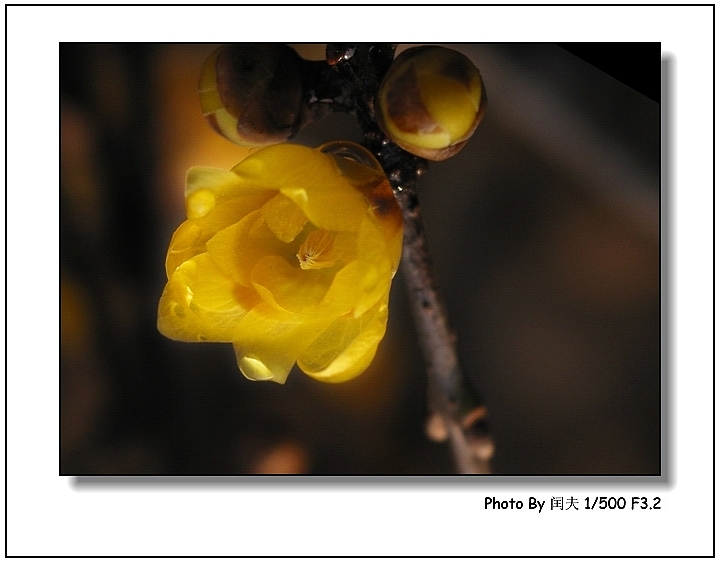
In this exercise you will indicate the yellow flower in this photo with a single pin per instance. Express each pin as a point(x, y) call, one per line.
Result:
point(289, 256)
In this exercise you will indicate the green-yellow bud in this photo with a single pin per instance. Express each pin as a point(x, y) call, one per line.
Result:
point(431, 101)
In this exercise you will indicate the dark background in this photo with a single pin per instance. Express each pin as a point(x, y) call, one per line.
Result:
point(544, 230)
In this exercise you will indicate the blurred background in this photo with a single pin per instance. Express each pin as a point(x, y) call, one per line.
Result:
point(544, 231)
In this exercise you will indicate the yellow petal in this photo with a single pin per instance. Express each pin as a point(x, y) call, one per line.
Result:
point(347, 347)
point(289, 288)
point(222, 184)
point(230, 211)
point(284, 218)
point(386, 212)
point(199, 303)
point(311, 179)
point(381, 201)
point(395, 247)
point(359, 285)
point(186, 243)
point(238, 248)
point(192, 235)
point(267, 342)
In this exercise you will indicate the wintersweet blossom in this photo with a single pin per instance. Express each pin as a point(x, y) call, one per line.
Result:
point(289, 256)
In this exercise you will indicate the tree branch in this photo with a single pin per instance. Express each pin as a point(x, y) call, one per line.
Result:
point(456, 412)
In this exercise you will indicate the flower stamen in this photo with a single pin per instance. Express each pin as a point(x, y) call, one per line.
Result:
point(316, 251)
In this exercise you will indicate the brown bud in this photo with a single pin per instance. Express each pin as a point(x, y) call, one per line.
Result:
point(253, 93)
point(431, 101)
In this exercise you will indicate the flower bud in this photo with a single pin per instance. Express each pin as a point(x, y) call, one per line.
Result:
point(431, 101)
point(253, 93)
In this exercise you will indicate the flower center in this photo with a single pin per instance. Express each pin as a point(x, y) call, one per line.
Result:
point(316, 252)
